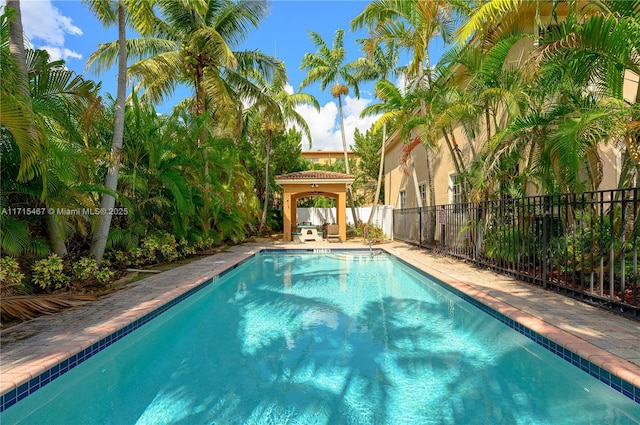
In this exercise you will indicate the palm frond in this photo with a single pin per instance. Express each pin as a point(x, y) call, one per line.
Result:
point(26, 307)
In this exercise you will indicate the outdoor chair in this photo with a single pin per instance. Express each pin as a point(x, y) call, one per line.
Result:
point(333, 233)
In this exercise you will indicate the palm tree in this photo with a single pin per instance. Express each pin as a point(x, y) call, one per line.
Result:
point(604, 46)
point(380, 63)
point(191, 43)
point(274, 117)
point(64, 103)
point(327, 66)
point(396, 109)
point(481, 92)
point(16, 112)
point(413, 25)
point(109, 13)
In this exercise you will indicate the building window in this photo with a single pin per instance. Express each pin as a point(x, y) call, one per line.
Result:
point(403, 199)
point(455, 191)
point(423, 193)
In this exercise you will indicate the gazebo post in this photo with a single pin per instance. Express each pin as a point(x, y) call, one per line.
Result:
point(294, 212)
point(341, 212)
point(286, 215)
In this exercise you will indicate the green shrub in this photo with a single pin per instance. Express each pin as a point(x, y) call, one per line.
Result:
point(168, 246)
point(369, 232)
point(49, 273)
point(123, 259)
point(185, 248)
point(149, 247)
point(10, 276)
point(104, 275)
point(85, 268)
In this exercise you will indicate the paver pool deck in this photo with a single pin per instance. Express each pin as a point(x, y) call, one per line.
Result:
point(605, 339)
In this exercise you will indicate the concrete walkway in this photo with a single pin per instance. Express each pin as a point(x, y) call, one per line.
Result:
point(608, 340)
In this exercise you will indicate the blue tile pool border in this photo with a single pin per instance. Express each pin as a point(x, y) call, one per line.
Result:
point(22, 391)
point(626, 388)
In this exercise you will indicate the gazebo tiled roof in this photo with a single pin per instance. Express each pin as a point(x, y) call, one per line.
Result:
point(316, 175)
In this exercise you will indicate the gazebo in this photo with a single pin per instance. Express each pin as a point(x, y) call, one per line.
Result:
point(314, 183)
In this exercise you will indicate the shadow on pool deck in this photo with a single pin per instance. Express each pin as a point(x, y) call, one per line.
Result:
point(608, 340)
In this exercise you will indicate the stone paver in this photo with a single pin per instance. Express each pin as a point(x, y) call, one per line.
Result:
point(606, 339)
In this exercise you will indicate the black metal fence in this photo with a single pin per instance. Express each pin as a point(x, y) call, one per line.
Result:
point(583, 245)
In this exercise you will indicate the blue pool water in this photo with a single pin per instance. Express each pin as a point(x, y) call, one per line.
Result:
point(324, 339)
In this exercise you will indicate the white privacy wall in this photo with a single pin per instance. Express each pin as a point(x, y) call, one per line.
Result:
point(317, 216)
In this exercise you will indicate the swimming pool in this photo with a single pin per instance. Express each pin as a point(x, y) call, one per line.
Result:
point(324, 338)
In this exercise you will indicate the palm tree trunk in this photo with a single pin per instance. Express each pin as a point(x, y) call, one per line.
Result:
point(266, 182)
point(431, 212)
point(452, 152)
point(431, 217)
point(380, 174)
point(56, 237)
point(419, 201)
point(111, 182)
point(354, 212)
point(16, 48)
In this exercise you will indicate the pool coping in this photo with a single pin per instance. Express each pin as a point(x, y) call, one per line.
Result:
point(29, 375)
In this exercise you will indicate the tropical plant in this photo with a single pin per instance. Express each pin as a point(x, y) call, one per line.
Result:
point(16, 115)
point(412, 26)
point(65, 104)
point(367, 147)
point(10, 276)
point(49, 273)
point(327, 67)
point(85, 268)
point(192, 43)
point(274, 117)
point(381, 62)
point(109, 13)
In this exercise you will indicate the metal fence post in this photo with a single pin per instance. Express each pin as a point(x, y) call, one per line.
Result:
point(420, 227)
point(479, 233)
point(545, 246)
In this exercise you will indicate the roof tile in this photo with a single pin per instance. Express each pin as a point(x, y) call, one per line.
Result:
point(314, 175)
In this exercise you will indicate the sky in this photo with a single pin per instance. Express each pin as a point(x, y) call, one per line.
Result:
point(67, 30)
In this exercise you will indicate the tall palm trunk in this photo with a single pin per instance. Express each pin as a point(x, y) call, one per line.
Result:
point(111, 182)
point(431, 215)
point(266, 182)
point(201, 108)
point(16, 48)
point(356, 219)
point(380, 173)
point(416, 186)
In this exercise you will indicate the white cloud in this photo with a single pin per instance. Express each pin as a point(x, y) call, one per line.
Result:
point(288, 88)
point(353, 107)
point(325, 125)
point(322, 125)
point(56, 53)
point(43, 21)
point(46, 28)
